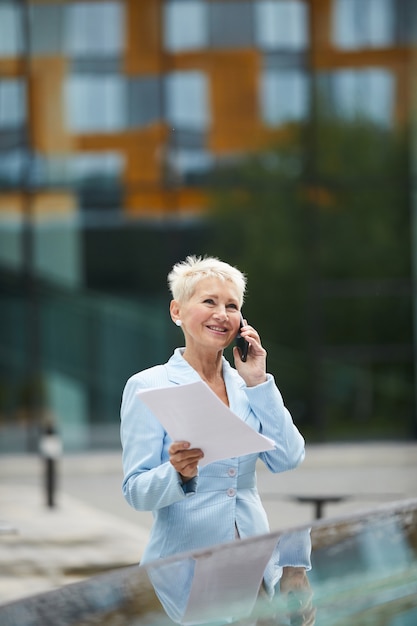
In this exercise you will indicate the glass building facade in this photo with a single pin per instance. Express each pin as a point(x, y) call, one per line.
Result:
point(113, 115)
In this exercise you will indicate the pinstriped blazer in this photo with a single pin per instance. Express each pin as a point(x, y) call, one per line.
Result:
point(208, 509)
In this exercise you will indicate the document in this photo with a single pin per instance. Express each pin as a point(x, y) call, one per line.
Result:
point(192, 412)
point(226, 584)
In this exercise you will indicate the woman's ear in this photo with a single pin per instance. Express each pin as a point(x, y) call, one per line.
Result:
point(174, 309)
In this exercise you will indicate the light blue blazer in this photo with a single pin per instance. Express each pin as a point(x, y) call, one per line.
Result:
point(223, 497)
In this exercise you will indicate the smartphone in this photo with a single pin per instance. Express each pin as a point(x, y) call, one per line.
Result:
point(241, 343)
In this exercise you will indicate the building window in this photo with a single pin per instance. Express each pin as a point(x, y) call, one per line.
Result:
point(94, 28)
point(352, 93)
point(12, 166)
point(96, 103)
point(188, 166)
point(364, 23)
point(185, 25)
point(97, 177)
point(284, 96)
point(281, 25)
point(231, 24)
point(144, 100)
point(12, 103)
point(11, 40)
point(88, 167)
point(409, 25)
point(47, 28)
point(186, 96)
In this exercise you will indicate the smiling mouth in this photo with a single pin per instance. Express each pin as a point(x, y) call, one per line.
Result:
point(217, 329)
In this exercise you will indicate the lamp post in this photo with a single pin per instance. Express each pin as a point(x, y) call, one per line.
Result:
point(50, 448)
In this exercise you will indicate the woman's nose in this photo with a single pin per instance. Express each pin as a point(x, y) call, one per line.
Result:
point(221, 313)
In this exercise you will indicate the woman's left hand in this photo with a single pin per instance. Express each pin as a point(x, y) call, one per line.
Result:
point(253, 370)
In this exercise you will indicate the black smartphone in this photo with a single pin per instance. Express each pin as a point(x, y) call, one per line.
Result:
point(241, 343)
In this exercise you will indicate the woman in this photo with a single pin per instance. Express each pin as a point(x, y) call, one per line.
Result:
point(192, 507)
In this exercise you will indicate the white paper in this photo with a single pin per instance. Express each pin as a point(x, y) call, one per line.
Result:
point(194, 413)
point(226, 584)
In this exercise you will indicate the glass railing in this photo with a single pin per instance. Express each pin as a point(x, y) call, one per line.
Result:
point(347, 571)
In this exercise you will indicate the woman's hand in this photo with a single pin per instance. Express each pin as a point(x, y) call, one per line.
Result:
point(253, 370)
point(295, 586)
point(185, 459)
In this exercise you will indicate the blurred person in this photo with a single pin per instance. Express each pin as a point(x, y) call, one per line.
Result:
point(225, 585)
point(197, 507)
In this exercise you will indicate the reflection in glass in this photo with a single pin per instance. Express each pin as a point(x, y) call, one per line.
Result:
point(367, 568)
point(223, 585)
point(185, 25)
point(187, 100)
point(284, 95)
point(364, 23)
point(281, 24)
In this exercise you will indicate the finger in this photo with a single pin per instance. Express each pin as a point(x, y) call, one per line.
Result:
point(188, 456)
point(182, 459)
point(178, 446)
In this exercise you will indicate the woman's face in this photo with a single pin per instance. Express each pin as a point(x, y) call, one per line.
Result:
point(211, 317)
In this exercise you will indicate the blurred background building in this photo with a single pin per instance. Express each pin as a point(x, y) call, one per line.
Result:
point(115, 117)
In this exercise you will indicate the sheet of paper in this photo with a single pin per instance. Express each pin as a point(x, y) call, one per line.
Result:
point(194, 413)
point(226, 583)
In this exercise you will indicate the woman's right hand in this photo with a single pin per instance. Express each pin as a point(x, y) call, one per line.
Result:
point(184, 459)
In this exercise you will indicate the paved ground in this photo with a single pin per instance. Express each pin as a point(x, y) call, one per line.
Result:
point(91, 528)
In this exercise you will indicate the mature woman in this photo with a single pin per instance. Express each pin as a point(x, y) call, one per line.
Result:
point(197, 507)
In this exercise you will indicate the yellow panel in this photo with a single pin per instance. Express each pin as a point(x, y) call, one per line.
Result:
point(234, 77)
point(11, 202)
point(332, 58)
point(143, 150)
point(145, 155)
point(149, 201)
point(143, 36)
point(153, 201)
point(192, 199)
point(320, 12)
point(39, 204)
point(11, 67)
point(49, 134)
point(54, 202)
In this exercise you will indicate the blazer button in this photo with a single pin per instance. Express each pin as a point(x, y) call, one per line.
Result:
point(232, 471)
point(231, 492)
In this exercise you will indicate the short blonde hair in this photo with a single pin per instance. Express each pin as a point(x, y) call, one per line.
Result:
point(184, 276)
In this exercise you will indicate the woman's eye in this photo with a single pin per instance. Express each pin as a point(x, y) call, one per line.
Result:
point(209, 301)
point(232, 306)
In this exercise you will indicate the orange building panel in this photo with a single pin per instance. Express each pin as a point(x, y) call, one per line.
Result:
point(145, 156)
point(47, 105)
point(11, 67)
point(320, 23)
point(12, 202)
point(142, 149)
point(39, 204)
point(143, 37)
point(145, 202)
point(233, 81)
point(333, 58)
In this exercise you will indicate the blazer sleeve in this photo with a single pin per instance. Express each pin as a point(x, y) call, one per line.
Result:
point(150, 481)
point(276, 423)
